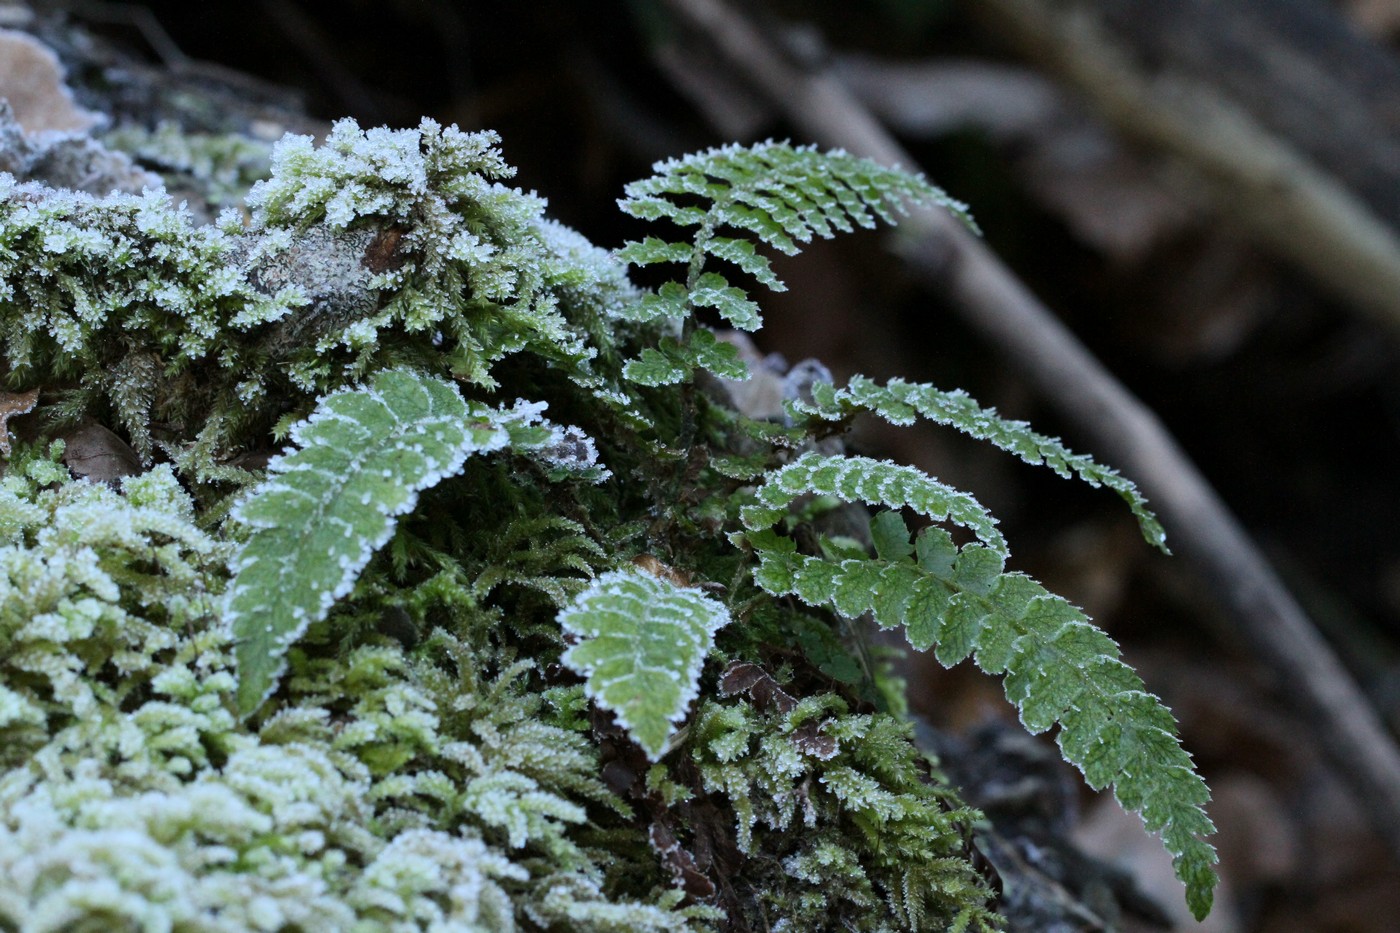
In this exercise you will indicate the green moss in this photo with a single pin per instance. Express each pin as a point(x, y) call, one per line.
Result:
point(439, 728)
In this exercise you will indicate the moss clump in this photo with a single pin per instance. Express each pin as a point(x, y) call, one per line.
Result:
point(386, 790)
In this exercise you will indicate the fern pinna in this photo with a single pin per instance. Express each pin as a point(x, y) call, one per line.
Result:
point(639, 640)
point(772, 193)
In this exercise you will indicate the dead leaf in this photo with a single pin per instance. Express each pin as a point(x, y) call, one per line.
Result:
point(13, 404)
point(31, 78)
point(93, 452)
point(810, 740)
point(680, 862)
point(744, 677)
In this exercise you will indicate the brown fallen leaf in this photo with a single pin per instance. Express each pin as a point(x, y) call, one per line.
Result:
point(13, 404)
point(93, 452)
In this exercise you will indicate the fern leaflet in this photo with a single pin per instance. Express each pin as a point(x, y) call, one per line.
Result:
point(644, 641)
point(874, 482)
point(773, 193)
point(672, 360)
point(1059, 668)
point(362, 457)
point(900, 402)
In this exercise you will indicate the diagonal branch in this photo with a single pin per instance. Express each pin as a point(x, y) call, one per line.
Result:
point(1004, 311)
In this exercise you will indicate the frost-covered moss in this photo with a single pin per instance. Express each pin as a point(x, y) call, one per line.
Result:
point(393, 674)
point(839, 816)
point(376, 247)
point(385, 792)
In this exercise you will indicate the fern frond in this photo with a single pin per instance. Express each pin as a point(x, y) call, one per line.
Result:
point(900, 402)
point(1059, 668)
point(772, 193)
point(644, 641)
point(874, 482)
point(777, 193)
point(363, 456)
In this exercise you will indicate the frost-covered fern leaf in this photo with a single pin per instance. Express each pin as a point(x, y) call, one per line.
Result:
point(1059, 668)
point(362, 457)
point(770, 193)
point(900, 402)
point(874, 482)
point(673, 360)
point(644, 641)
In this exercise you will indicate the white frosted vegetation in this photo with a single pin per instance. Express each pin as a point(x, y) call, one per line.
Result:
point(139, 798)
point(329, 698)
point(643, 641)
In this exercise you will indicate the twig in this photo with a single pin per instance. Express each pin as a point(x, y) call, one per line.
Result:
point(1013, 320)
point(1326, 209)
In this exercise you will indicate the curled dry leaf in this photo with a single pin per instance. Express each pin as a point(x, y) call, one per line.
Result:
point(759, 685)
point(13, 404)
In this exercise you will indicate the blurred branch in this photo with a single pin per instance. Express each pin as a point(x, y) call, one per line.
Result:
point(1286, 113)
point(990, 297)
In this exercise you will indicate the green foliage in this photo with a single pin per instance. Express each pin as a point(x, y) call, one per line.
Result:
point(840, 818)
point(363, 457)
point(550, 554)
point(900, 402)
point(1059, 668)
point(874, 482)
point(773, 193)
point(643, 640)
point(374, 592)
point(672, 361)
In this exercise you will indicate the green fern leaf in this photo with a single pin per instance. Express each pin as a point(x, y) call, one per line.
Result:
point(742, 254)
point(713, 290)
point(776, 193)
point(773, 193)
point(363, 456)
point(644, 641)
point(673, 361)
point(779, 193)
point(1059, 668)
point(901, 402)
point(874, 482)
point(653, 250)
